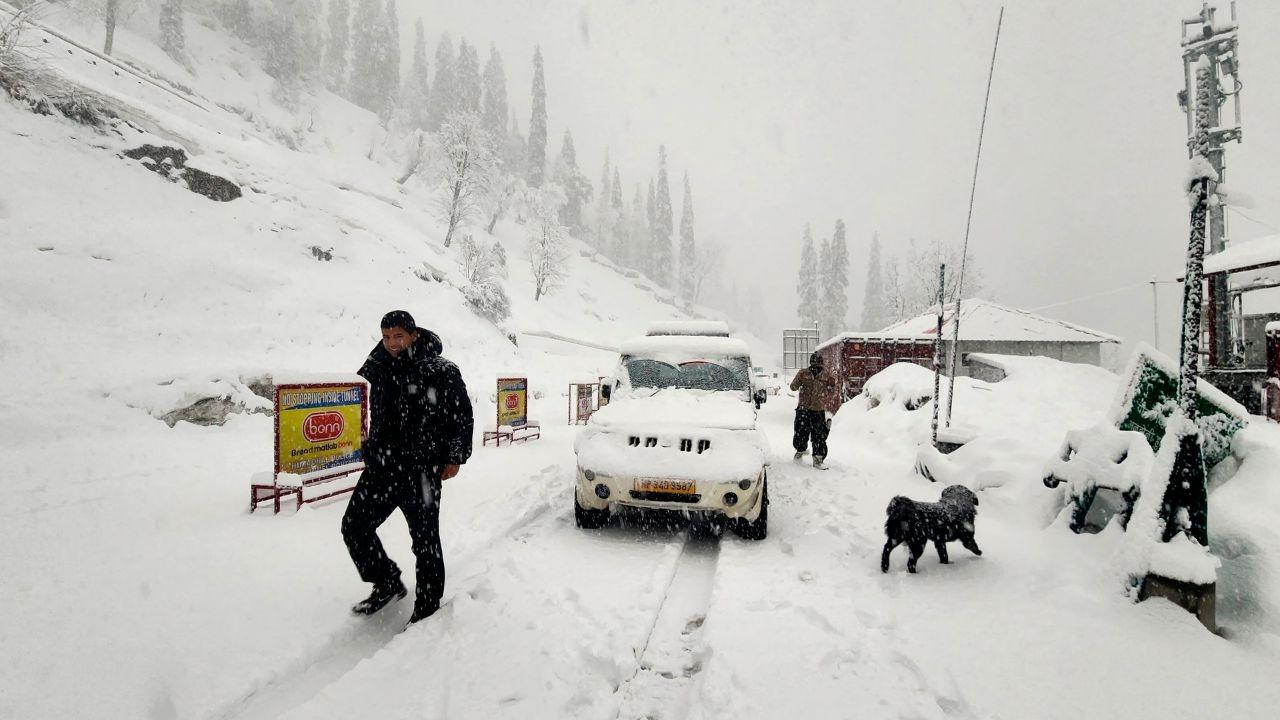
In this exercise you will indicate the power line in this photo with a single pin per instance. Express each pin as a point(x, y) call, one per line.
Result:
point(1267, 225)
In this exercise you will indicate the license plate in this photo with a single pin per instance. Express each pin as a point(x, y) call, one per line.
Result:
point(672, 487)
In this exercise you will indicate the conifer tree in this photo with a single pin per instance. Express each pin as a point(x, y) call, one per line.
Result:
point(605, 224)
point(516, 150)
point(835, 282)
point(293, 28)
point(874, 311)
point(538, 124)
point(688, 252)
point(389, 62)
point(807, 283)
point(335, 49)
point(637, 232)
point(647, 262)
point(367, 29)
point(577, 189)
point(444, 88)
point(621, 225)
point(417, 88)
point(664, 224)
point(173, 36)
point(494, 101)
point(469, 90)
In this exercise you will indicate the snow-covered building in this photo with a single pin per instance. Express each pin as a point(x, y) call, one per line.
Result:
point(985, 327)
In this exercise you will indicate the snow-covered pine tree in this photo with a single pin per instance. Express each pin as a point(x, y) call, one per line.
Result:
point(515, 150)
point(647, 262)
point(287, 54)
point(688, 250)
point(236, 15)
point(807, 283)
point(173, 35)
point(467, 163)
point(632, 253)
point(604, 224)
point(335, 49)
point(417, 86)
point(494, 100)
point(664, 225)
point(577, 188)
point(834, 274)
point(621, 226)
point(537, 166)
point(469, 90)
point(389, 63)
point(874, 313)
point(444, 87)
point(367, 28)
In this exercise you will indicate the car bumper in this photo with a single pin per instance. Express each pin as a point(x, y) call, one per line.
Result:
point(599, 491)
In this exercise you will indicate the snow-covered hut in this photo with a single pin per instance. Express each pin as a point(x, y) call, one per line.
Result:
point(985, 327)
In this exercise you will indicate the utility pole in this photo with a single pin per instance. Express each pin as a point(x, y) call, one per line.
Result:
point(1217, 42)
point(937, 351)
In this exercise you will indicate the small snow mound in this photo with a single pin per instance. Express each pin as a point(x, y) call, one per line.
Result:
point(904, 384)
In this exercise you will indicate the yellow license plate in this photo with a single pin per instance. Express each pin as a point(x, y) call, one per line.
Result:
point(673, 487)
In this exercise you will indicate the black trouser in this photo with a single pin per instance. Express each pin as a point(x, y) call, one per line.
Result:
point(380, 491)
point(811, 424)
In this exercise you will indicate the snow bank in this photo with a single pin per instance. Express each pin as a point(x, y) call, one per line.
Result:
point(1012, 426)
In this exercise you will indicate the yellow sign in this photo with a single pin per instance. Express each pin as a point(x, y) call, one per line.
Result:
point(513, 401)
point(318, 426)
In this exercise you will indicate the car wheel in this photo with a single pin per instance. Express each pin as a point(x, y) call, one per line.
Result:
point(757, 529)
point(589, 518)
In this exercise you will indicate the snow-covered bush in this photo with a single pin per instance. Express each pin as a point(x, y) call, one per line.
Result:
point(484, 266)
point(548, 250)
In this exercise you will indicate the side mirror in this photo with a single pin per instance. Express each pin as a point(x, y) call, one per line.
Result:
point(761, 397)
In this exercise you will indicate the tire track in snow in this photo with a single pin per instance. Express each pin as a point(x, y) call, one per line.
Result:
point(361, 638)
point(670, 659)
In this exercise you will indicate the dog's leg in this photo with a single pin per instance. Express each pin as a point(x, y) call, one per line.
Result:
point(917, 549)
point(942, 551)
point(969, 543)
point(889, 545)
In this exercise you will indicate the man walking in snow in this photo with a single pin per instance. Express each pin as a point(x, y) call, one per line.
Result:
point(815, 385)
point(419, 433)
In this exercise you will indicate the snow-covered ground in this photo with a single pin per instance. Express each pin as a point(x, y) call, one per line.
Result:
point(136, 585)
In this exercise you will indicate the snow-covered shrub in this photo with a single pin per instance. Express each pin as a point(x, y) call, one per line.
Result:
point(484, 266)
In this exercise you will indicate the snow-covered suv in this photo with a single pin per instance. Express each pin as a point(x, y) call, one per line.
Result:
point(678, 433)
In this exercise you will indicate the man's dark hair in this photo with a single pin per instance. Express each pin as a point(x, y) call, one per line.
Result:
point(399, 319)
point(814, 359)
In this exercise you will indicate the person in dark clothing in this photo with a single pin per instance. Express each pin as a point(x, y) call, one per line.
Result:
point(816, 386)
point(420, 432)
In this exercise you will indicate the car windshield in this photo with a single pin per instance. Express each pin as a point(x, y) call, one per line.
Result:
point(718, 374)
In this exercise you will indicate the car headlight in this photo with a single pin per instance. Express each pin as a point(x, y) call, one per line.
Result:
point(744, 484)
point(590, 475)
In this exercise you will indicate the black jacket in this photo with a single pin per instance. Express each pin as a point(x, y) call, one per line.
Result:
point(420, 413)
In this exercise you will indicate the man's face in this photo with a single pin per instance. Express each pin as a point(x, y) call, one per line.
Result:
point(396, 340)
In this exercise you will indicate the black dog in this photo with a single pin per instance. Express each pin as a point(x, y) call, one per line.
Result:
point(917, 523)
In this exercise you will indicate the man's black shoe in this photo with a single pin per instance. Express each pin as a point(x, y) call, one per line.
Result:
point(380, 598)
point(422, 611)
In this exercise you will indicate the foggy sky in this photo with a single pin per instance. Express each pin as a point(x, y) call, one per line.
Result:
point(791, 112)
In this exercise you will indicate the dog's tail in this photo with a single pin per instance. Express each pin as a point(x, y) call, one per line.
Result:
point(899, 507)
